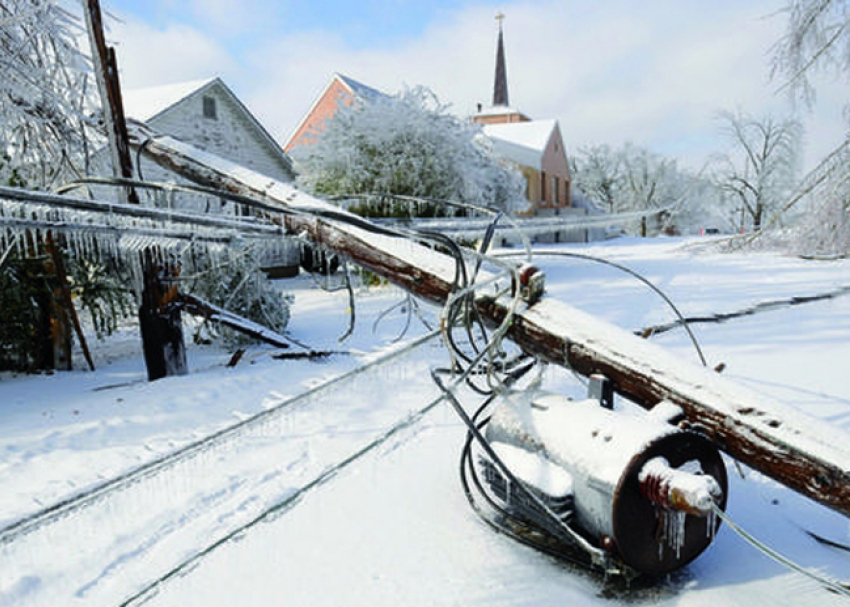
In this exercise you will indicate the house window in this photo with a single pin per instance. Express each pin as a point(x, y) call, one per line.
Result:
point(556, 195)
point(209, 108)
point(543, 187)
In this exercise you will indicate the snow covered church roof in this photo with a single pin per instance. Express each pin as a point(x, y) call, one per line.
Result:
point(523, 142)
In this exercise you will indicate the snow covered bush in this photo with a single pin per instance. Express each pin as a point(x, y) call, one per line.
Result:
point(100, 287)
point(33, 305)
point(407, 145)
point(237, 285)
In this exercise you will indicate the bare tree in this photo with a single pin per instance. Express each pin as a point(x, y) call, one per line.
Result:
point(761, 169)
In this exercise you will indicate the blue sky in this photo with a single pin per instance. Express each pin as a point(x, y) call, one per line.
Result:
point(365, 24)
point(655, 72)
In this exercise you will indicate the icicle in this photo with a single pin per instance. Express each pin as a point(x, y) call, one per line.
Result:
point(711, 524)
point(102, 239)
point(673, 522)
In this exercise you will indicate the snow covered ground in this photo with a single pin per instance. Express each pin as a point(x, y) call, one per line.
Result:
point(370, 508)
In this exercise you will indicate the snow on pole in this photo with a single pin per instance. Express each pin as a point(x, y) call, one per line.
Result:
point(807, 455)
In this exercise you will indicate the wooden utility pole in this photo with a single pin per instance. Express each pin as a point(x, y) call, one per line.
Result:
point(160, 324)
point(106, 73)
point(803, 453)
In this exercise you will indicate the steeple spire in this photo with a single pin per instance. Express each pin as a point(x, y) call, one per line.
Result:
point(500, 88)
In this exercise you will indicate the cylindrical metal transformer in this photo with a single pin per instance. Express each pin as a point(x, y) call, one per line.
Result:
point(641, 486)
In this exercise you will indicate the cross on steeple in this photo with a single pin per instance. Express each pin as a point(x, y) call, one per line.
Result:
point(500, 87)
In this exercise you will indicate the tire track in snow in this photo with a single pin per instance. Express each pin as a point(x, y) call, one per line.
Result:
point(81, 500)
point(107, 543)
point(279, 508)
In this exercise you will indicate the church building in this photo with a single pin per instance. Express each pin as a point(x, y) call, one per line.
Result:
point(534, 146)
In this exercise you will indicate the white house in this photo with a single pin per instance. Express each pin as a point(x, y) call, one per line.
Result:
point(208, 115)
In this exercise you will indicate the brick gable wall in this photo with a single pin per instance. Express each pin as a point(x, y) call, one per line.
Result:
point(322, 111)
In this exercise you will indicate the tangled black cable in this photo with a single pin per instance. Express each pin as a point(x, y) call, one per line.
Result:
point(548, 533)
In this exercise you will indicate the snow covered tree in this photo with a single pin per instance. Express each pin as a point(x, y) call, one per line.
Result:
point(406, 145)
point(597, 171)
point(762, 167)
point(651, 181)
point(630, 178)
point(44, 96)
point(43, 139)
point(817, 40)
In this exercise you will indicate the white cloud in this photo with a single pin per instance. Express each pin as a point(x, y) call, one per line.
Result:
point(232, 18)
point(149, 56)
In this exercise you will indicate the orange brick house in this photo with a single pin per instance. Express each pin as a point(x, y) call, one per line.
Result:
point(340, 90)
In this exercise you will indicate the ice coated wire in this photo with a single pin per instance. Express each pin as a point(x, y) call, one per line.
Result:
point(832, 584)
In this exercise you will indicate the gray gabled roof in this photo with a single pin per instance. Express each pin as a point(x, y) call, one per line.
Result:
point(361, 90)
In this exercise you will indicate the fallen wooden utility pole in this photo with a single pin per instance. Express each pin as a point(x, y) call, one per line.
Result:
point(805, 454)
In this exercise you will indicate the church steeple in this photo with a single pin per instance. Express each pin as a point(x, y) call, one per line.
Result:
point(500, 87)
point(500, 112)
